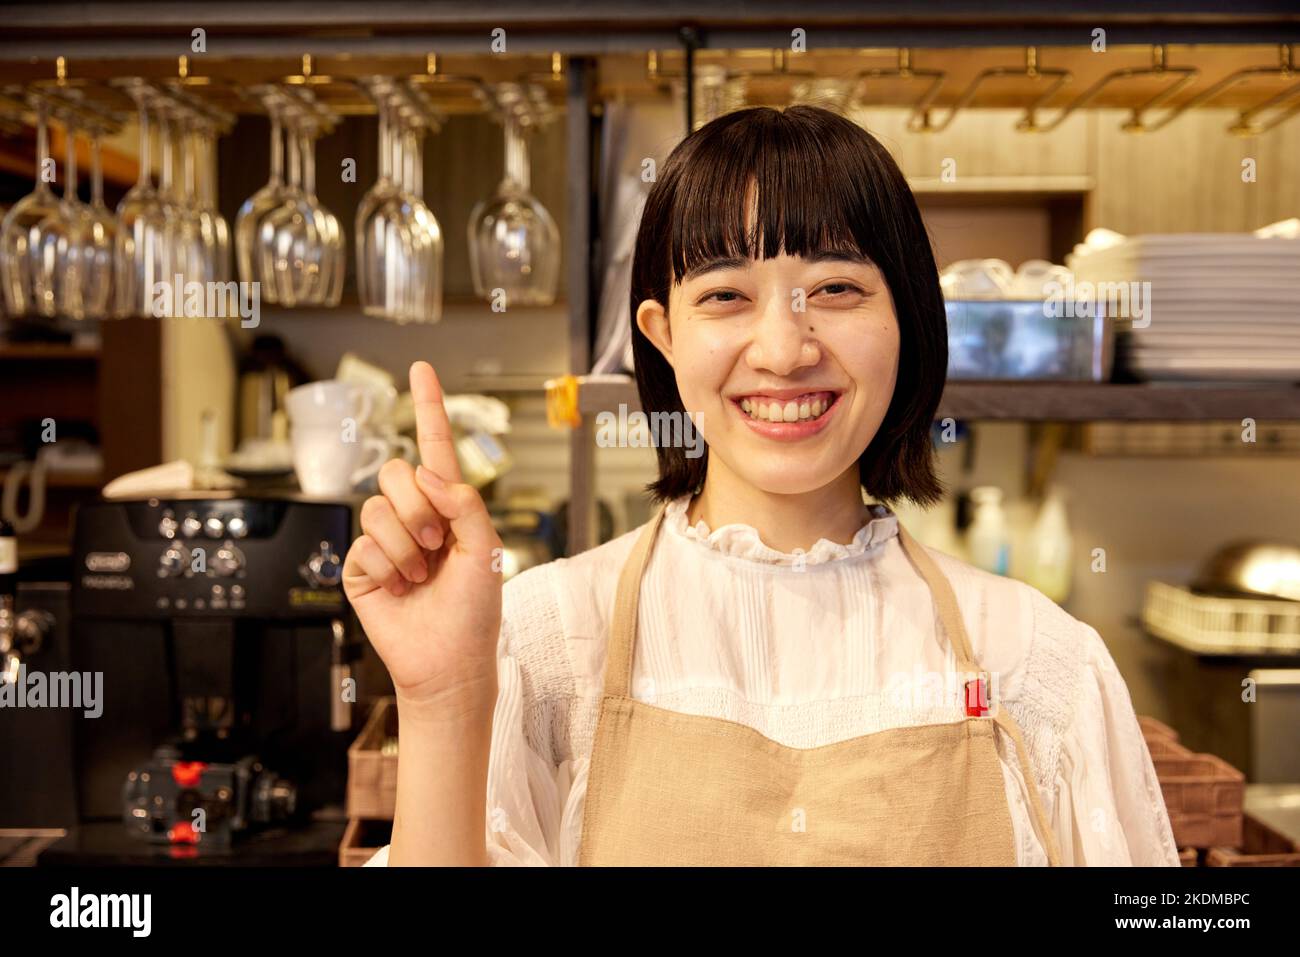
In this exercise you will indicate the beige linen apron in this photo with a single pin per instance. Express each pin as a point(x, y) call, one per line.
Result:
point(666, 788)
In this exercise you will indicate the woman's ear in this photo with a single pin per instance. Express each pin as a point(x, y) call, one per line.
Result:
point(652, 320)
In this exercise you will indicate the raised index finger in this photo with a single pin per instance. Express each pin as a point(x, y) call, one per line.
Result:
point(432, 429)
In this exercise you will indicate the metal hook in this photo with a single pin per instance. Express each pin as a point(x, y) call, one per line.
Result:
point(919, 121)
point(904, 71)
point(1185, 74)
point(1284, 69)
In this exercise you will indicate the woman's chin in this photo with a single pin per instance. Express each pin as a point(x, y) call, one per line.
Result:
point(787, 480)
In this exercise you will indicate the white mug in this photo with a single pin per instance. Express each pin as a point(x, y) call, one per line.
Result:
point(327, 465)
point(328, 404)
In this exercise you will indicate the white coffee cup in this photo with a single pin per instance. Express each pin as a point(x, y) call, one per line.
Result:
point(329, 403)
point(330, 463)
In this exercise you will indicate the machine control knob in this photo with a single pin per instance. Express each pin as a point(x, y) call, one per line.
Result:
point(168, 526)
point(324, 569)
point(227, 561)
point(174, 561)
point(191, 526)
point(237, 526)
point(214, 527)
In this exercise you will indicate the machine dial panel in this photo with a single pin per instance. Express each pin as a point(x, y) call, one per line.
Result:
point(279, 558)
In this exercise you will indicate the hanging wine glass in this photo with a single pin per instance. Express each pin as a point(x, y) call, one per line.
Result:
point(186, 254)
point(144, 231)
point(203, 267)
point(212, 225)
point(60, 278)
point(20, 231)
point(269, 197)
point(426, 302)
point(101, 236)
point(329, 290)
point(399, 241)
point(513, 241)
point(290, 253)
point(382, 242)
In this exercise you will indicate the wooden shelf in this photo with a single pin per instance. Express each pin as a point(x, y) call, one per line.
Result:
point(48, 351)
point(350, 308)
point(1061, 401)
point(1104, 401)
point(71, 480)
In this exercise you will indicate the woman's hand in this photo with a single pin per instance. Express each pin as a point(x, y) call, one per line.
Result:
point(425, 576)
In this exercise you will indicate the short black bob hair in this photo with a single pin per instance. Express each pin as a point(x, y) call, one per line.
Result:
point(823, 182)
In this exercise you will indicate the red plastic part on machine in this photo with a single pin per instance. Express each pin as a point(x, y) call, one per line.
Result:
point(186, 774)
point(183, 832)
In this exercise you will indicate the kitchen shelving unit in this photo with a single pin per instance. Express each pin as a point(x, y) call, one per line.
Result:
point(603, 48)
point(1058, 401)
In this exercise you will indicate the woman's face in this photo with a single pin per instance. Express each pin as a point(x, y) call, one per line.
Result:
point(789, 363)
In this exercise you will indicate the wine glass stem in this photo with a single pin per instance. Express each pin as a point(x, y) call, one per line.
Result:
point(210, 169)
point(397, 168)
point(417, 164)
point(277, 150)
point(42, 145)
point(96, 172)
point(308, 166)
point(408, 167)
point(385, 144)
point(516, 156)
point(146, 148)
point(190, 171)
point(70, 162)
point(164, 132)
point(295, 160)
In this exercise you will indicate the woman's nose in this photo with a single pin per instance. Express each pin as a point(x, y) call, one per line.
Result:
point(781, 340)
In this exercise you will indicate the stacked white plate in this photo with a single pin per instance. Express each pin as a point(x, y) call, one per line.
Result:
point(1222, 305)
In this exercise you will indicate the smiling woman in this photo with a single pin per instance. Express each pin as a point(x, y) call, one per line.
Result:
point(813, 209)
point(771, 670)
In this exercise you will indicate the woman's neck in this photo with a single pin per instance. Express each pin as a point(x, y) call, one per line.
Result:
point(784, 522)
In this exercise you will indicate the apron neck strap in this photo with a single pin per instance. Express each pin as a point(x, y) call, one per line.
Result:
point(622, 636)
point(945, 602)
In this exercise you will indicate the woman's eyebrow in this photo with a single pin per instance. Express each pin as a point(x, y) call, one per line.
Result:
point(840, 255)
point(713, 265)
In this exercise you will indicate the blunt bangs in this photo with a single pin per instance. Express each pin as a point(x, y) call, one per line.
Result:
point(772, 183)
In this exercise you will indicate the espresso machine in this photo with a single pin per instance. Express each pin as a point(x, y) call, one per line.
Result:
point(221, 632)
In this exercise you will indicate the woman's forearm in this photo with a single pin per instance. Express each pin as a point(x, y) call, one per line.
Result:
point(442, 782)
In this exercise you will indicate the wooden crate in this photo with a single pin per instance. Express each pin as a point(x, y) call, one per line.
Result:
point(362, 840)
point(1261, 846)
point(1151, 728)
point(372, 775)
point(1204, 796)
point(1166, 748)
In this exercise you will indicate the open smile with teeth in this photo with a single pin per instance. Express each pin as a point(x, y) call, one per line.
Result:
point(805, 407)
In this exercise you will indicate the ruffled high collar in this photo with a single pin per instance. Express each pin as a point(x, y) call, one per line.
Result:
point(741, 541)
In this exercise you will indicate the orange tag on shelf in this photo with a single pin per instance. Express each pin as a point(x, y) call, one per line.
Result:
point(562, 402)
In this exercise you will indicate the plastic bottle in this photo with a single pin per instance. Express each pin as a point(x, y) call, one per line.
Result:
point(988, 540)
point(1051, 547)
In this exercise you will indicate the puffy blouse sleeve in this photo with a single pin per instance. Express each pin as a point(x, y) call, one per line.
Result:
point(526, 791)
point(1109, 810)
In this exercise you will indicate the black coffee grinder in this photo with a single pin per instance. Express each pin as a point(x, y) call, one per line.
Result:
point(220, 629)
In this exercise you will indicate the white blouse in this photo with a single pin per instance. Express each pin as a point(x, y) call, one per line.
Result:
point(810, 649)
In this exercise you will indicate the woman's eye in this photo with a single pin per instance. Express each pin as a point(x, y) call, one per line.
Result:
point(840, 288)
point(720, 295)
